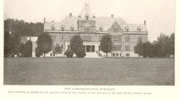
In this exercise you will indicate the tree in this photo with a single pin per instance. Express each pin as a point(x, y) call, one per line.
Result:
point(171, 44)
point(163, 42)
point(138, 48)
point(58, 49)
point(147, 49)
point(44, 43)
point(144, 49)
point(28, 49)
point(69, 53)
point(38, 52)
point(106, 44)
point(12, 43)
point(76, 45)
point(81, 52)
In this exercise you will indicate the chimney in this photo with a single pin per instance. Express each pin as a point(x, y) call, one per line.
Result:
point(70, 14)
point(44, 20)
point(145, 22)
point(112, 15)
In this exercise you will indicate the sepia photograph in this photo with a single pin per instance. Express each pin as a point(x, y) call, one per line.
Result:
point(89, 42)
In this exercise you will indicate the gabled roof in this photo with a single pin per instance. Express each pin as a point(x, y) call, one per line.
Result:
point(103, 22)
point(134, 27)
point(106, 22)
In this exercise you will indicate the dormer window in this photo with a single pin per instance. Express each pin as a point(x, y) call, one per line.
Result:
point(62, 28)
point(87, 17)
point(139, 29)
point(101, 28)
point(72, 28)
point(127, 29)
point(52, 27)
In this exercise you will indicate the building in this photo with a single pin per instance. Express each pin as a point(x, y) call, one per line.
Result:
point(91, 28)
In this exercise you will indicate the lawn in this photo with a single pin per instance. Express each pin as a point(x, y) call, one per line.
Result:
point(79, 71)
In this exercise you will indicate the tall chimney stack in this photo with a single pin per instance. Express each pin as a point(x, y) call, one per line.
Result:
point(112, 15)
point(44, 20)
point(70, 14)
point(145, 22)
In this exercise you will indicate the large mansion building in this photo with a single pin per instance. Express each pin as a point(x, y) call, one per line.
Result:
point(91, 29)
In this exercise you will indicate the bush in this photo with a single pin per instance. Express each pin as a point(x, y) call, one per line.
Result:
point(69, 53)
point(76, 45)
point(38, 52)
point(106, 44)
point(81, 53)
point(44, 43)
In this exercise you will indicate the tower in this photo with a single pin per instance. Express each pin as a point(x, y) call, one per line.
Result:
point(86, 20)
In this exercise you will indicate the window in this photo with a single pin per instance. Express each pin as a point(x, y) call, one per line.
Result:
point(62, 28)
point(127, 39)
point(139, 29)
point(72, 28)
point(87, 38)
point(127, 47)
point(93, 48)
point(115, 29)
point(116, 47)
point(114, 54)
point(127, 54)
point(101, 29)
point(139, 39)
point(87, 17)
point(52, 27)
point(117, 54)
point(53, 37)
point(68, 47)
point(90, 48)
point(120, 54)
point(87, 29)
point(127, 29)
point(117, 38)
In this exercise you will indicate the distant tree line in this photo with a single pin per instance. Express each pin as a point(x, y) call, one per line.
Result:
point(162, 47)
point(13, 31)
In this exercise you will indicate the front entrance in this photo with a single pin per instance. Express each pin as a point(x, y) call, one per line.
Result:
point(89, 48)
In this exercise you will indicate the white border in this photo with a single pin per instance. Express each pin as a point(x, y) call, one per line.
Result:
point(158, 92)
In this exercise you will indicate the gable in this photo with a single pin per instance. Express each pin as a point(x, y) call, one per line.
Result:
point(115, 28)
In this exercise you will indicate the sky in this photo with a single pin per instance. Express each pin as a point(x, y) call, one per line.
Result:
point(159, 14)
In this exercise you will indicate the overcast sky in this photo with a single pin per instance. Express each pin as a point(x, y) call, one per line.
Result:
point(160, 14)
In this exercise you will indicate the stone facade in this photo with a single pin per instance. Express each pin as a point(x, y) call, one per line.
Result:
point(91, 29)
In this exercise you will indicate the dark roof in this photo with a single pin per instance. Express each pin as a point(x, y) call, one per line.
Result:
point(104, 22)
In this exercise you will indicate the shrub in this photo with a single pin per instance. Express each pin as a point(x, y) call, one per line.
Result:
point(69, 53)
point(38, 52)
point(81, 53)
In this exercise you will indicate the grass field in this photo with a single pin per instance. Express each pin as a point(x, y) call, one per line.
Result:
point(77, 71)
